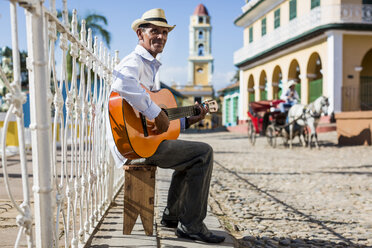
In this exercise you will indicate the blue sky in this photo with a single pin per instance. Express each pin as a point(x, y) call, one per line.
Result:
point(226, 37)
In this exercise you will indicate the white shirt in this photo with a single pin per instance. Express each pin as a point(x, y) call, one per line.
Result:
point(139, 67)
point(285, 95)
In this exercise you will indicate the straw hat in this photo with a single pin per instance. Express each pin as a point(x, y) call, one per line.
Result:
point(153, 16)
point(291, 82)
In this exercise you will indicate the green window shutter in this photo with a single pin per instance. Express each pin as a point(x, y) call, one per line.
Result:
point(315, 3)
point(250, 34)
point(277, 18)
point(292, 9)
point(227, 110)
point(298, 89)
point(316, 89)
point(263, 27)
point(279, 93)
point(263, 94)
point(251, 97)
point(235, 109)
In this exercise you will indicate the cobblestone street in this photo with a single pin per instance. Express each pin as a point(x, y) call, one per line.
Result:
point(270, 197)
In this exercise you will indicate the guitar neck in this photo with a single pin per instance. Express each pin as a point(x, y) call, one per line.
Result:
point(177, 113)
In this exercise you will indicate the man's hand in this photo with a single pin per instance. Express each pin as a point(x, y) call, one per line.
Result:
point(161, 122)
point(197, 118)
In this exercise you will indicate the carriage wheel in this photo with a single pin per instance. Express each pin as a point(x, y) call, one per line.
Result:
point(271, 136)
point(251, 133)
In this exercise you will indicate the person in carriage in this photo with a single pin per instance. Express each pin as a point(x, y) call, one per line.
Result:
point(290, 96)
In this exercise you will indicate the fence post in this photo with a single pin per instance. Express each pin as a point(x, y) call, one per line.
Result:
point(40, 123)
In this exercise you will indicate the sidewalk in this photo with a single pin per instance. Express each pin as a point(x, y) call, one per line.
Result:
point(110, 231)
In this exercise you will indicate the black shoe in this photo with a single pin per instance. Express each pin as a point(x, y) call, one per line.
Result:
point(167, 220)
point(208, 238)
point(169, 223)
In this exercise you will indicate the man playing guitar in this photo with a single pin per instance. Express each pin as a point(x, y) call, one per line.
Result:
point(191, 161)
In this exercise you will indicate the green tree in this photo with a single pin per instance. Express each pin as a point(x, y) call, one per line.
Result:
point(236, 77)
point(6, 62)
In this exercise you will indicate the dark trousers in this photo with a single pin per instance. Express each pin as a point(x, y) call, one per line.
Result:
point(192, 163)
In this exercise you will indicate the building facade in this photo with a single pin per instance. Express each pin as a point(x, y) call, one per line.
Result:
point(230, 101)
point(200, 62)
point(324, 45)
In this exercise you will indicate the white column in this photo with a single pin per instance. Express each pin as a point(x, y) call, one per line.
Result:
point(304, 89)
point(243, 96)
point(191, 73)
point(334, 69)
point(223, 111)
point(40, 125)
point(210, 72)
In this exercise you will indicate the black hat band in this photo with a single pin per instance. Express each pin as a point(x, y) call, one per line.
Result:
point(156, 19)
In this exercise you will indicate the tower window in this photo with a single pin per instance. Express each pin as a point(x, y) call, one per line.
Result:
point(200, 19)
point(199, 70)
point(201, 50)
point(201, 35)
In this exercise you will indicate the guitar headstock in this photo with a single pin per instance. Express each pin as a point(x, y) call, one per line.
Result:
point(211, 105)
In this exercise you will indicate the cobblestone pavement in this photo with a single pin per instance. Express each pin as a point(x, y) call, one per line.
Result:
point(274, 197)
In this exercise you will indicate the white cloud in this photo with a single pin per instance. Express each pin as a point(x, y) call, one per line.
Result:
point(222, 79)
point(178, 74)
point(169, 74)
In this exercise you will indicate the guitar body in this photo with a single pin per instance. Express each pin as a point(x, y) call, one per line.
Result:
point(128, 129)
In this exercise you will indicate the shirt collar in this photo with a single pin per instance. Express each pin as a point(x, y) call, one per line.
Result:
point(140, 50)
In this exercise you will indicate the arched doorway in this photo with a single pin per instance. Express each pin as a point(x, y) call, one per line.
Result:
point(251, 97)
point(262, 86)
point(294, 74)
point(315, 77)
point(366, 82)
point(277, 82)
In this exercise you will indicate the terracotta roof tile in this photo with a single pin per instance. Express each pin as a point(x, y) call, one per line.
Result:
point(201, 10)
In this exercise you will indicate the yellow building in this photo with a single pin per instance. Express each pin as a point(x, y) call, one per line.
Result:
point(324, 45)
point(200, 62)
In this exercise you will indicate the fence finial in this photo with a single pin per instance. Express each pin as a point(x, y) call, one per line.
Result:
point(83, 32)
point(74, 24)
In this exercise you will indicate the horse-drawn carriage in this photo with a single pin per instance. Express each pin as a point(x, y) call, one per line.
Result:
point(267, 120)
point(261, 115)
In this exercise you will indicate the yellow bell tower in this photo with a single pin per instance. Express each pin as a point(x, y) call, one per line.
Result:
point(200, 61)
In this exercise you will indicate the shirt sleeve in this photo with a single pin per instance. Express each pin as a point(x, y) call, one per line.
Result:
point(126, 83)
point(284, 95)
point(183, 123)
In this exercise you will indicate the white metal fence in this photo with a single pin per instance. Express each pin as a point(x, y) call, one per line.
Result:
point(74, 181)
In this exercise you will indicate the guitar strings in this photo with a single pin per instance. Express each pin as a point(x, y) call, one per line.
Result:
point(176, 113)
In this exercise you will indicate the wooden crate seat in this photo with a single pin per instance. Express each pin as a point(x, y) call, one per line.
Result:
point(139, 193)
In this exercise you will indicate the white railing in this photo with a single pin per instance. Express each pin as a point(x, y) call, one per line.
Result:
point(320, 16)
point(74, 181)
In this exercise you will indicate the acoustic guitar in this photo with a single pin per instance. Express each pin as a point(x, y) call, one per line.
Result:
point(135, 136)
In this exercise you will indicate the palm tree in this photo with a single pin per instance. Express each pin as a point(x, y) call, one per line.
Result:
point(96, 23)
point(6, 61)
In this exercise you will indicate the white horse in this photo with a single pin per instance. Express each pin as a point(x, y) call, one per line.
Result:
point(307, 116)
